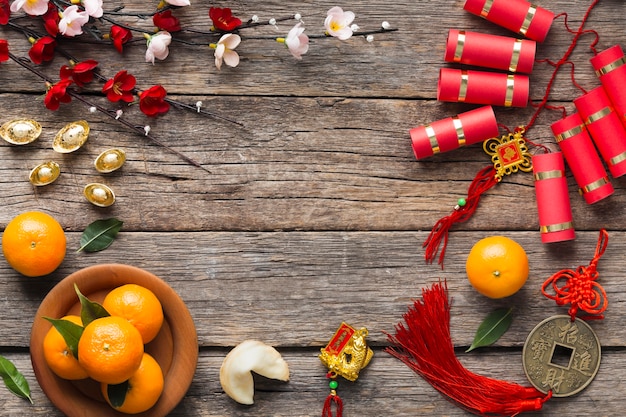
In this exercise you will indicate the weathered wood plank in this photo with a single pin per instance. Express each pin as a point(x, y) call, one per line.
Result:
point(349, 167)
point(385, 387)
point(294, 288)
point(402, 64)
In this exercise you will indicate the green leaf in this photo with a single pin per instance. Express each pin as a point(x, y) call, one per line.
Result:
point(99, 235)
point(494, 326)
point(71, 333)
point(117, 394)
point(14, 380)
point(89, 310)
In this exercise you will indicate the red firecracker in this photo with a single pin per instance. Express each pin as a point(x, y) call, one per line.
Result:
point(610, 69)
point(481, 87)
point(503, 53)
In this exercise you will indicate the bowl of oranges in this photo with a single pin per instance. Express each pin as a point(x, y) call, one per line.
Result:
point(136, 354)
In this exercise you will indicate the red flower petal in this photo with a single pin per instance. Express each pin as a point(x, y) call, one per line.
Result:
point(57, 94)
point(120, 87)
point(165, 21)
point(223, 19)
point(120, 36)
point(4, 50)
point(42, 50)
point(5, 12)
point(152, 101)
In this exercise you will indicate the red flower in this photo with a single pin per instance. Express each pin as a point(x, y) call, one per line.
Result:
point(5, 12)
point(120, 87)
point(42, 50)
point(223, 19)
point(120, 36)
point(165, 21)
point(57, 94)
point(51, 20)
point(152, 101)
point(81, 73)
point(4, 50)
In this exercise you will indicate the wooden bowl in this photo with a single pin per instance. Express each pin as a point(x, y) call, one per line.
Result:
point(175, 348)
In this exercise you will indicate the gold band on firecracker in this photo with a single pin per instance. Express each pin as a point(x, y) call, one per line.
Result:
point(432, 136)
point(576, 130)
point(463, 87)
point(517, 50)
point(610, 67)
point(600, 114)
point(594, 185)
point(552, 228)
point(528, 19)
point(460, 44)
point(510, 87)
point(458, 127)
point(617, 159)
point(548, 175)
point(486, 9)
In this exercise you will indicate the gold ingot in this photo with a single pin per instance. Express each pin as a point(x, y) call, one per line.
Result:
point(44, 174)
point(110, 160)
point(71, 137)
point(20, 131)
point(99, 194)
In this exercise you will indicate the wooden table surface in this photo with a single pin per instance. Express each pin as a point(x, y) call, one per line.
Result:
point(312, 211)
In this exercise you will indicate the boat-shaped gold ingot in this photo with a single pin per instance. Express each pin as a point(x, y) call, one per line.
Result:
point(71, 137)
point(110, 160)
point(44, 174)
point(99, 194)
point(20, 131)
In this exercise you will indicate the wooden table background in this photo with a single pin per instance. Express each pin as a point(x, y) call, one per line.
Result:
point(315, 210)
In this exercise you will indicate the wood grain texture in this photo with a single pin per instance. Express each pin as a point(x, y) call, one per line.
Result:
point(315, 209)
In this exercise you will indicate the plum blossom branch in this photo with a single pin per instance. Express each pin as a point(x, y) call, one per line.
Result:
point(140, 130)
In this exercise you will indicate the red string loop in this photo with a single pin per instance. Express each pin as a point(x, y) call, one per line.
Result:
point(580, 287)
point(438, 238)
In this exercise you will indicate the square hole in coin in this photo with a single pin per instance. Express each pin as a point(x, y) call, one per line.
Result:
point(562, 356)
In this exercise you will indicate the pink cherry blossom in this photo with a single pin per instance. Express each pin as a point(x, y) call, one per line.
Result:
point(297, 41)
point(32, 7)
point(178, 2)
point(338, 22)
point(158, 46)
point(93, 8)
point(224, 50)
point(72, 21)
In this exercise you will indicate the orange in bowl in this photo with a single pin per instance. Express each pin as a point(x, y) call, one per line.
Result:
point(175, 348)
point(497, 266)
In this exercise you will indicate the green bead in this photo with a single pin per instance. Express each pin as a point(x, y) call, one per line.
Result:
point(461, 202)
point(333, 384)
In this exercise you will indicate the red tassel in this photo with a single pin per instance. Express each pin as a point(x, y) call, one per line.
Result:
point(424, 344)
point(327, 410)
point(484, 180)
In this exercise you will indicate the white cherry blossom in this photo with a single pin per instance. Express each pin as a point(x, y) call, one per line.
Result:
point(224, 50)
point(32, 7)
point(338, 23)
point(158, 46)
point(72, 21)
point(297, 41)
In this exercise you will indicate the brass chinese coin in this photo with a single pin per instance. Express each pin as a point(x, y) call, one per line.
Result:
point(561, 355)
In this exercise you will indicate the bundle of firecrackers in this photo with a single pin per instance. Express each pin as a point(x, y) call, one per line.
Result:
point(594, 133)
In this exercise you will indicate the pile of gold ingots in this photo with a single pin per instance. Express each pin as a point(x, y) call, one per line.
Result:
point(69, 139)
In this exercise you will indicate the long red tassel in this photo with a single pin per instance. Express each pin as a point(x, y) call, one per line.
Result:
point(484, 180)
point(327, 410)
point(424, 344)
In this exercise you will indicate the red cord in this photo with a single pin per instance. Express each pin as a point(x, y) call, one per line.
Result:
point(580, 287)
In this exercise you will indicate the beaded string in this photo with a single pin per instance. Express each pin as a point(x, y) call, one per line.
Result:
point(332, 398)
point(580, 287)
